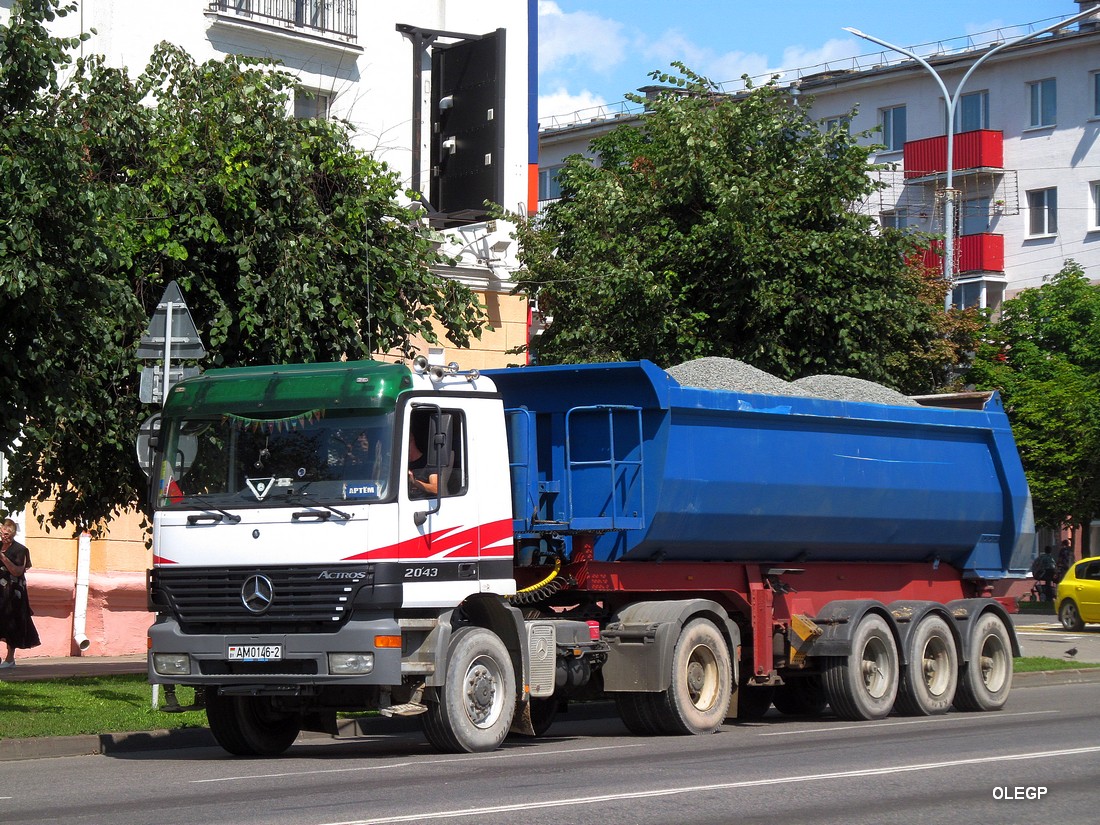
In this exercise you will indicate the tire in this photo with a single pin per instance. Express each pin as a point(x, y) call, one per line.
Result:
point(802, 696)
point(753, 702)
point(698, 696)
point(250, 725)
point(931, 674)
point(864, 684)
point(986, 679)
point(639, 713)
point(474, 707)
point(1070, 616)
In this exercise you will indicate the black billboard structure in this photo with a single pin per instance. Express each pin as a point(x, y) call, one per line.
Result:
point(466, 120)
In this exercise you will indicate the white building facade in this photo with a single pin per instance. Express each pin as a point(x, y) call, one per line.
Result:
point(1026, 156)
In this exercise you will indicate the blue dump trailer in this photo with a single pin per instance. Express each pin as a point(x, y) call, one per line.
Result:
point(479, 549)
point(661, 472)
point(843, 547)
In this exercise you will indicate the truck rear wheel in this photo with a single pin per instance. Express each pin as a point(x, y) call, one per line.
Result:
point(986, 679)
point(639, 713)
point(864, 684)
point(250, 725)
point(474, 707)
point(699, 695)
point(931, 674)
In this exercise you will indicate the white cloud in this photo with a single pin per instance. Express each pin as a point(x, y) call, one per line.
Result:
point(578, 39)
point(563, 103)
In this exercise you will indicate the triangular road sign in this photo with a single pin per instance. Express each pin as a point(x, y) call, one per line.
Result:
point(185, 343)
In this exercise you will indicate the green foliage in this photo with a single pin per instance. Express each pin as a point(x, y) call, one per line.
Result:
point(1043, 353)
point(725, 226)
point(288, 245)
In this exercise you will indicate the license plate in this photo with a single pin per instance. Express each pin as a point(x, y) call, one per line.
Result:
point(254, 653)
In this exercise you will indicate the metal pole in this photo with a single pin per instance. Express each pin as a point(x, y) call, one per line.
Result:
point(167, 352)
point(952, 102)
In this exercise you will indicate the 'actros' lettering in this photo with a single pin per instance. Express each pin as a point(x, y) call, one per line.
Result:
point(341, 574)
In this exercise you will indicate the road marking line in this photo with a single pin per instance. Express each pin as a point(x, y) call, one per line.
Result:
point(418, 763)
point(923, 721)
point(723, 786)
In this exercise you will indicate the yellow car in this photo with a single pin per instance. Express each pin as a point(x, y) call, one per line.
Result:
point(1078, 598)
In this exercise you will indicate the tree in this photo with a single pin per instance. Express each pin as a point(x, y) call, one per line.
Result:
point(725, 226)
point(288, 244)
point(1043, 353)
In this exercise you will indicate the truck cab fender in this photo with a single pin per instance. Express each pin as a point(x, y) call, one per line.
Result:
point(908, 614)
point(642, 638)
point(965, 612)
point(838, 622)
point(491, 613)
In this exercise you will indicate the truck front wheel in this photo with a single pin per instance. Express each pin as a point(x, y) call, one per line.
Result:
point(699, 695)
point(473, 709)
point(250, 725)
point(863, 684)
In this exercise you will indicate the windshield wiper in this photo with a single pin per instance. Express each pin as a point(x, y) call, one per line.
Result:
point(206, 505)
point(302, 495)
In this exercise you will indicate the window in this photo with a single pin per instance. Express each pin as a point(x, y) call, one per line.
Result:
point(972, 112)
point(1042, 208)
point(975, 216)
point(1096, 94)
point(894, 220)
point(893, 128)
point(830, 123)
point(437, 453)
point(1042, 95)
point(1094, 206)
point(980, 294)
point(549, 186)
point(308, 103)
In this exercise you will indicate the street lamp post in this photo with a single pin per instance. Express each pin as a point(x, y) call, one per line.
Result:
point(952, 101)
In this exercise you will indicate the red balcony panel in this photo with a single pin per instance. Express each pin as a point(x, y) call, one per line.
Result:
point(980, 148)
point(981, 253)
point(973, 253)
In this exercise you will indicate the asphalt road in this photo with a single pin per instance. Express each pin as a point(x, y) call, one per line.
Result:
point(975, 768)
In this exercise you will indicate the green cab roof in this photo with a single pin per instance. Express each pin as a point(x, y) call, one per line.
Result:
point(261, 392)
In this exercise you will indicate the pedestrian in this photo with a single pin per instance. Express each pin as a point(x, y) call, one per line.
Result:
point(16, 625)
point(1043, 570)
point(1065, 558)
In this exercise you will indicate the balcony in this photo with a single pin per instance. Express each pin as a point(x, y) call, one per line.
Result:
point(329, 19)
point(979, 149)
point(976, 253)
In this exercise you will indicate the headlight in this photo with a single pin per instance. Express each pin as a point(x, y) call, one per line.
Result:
point(172, 664)
point(347, 663)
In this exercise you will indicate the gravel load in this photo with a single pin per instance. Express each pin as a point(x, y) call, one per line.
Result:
point(846, 388)
point(730, 374)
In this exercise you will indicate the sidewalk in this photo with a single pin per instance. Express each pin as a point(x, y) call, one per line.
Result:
point(63, 667)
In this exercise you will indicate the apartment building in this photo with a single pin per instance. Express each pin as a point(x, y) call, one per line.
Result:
point(440, 91)
point(1026, 160)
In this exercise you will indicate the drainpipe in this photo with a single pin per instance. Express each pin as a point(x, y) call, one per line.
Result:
point(80, 607)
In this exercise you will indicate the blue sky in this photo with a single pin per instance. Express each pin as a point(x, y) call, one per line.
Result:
point(593, 52)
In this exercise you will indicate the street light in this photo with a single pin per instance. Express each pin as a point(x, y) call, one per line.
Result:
point(952, 101)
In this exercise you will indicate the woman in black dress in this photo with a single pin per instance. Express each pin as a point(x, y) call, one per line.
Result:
point(16, 626)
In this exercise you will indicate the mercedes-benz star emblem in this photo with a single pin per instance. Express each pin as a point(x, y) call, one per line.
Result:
point(257, 593)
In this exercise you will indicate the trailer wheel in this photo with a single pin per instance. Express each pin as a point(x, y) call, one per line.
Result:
point(985, 680)
point(250, 725)
point(699, 695)
point(931, 675)
point(474, 707)
point(864, 684)
point(801, 696)
point(639, 713)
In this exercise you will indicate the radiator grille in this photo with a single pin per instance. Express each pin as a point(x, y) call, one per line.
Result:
point(302, 599)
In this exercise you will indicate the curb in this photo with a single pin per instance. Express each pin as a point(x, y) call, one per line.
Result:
point(49, 747)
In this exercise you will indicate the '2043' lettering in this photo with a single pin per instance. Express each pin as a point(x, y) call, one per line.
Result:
point(421, 572)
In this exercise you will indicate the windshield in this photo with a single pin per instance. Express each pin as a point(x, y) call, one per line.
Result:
point(233, 460)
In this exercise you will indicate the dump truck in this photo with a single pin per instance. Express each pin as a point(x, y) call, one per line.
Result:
point(478, 550)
